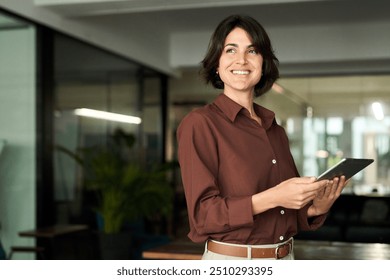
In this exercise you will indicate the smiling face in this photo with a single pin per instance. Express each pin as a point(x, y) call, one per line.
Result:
point(240, 65)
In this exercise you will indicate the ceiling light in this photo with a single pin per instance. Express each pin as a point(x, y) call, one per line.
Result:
point(107, 116)
point(309, 112)
point(377, 110)
point(322, 154)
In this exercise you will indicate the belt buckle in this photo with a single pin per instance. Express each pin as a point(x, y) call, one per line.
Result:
point(280, 246)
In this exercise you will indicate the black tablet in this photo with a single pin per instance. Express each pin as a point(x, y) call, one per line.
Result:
point(347, 167)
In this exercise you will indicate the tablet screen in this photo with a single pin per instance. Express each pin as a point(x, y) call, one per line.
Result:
point(347, 167)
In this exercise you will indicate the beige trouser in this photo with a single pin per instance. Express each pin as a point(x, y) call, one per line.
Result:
point(208, 255)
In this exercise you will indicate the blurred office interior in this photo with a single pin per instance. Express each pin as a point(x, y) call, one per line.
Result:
point(141, 59)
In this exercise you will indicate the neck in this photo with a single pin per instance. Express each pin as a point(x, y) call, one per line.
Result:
point(244, 99)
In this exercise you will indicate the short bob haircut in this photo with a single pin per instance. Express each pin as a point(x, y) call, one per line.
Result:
point(261, 42)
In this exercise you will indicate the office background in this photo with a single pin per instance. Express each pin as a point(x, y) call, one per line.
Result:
point(141, 58)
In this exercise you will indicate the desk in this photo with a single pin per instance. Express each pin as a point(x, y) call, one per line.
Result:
point(53, 231)
point(178, 250)
point(303, 250)
point(46, 237)
point(328, 250)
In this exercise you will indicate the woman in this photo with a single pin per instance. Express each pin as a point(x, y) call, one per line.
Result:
point(244, 195)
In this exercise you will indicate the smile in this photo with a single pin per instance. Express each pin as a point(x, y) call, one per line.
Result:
point(240, 72)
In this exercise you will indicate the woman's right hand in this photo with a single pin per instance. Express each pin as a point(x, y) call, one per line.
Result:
point(293, 193)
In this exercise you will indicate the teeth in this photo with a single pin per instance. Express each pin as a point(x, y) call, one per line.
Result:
point(240, 72)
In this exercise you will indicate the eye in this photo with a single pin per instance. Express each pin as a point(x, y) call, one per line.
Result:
point(230, 50)
point(252, 51)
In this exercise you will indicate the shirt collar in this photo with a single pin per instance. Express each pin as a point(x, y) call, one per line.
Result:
point(231, 109)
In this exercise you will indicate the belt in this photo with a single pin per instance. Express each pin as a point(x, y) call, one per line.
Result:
point(242, 251)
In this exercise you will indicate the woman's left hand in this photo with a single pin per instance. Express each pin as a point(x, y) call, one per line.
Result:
point(327, 196)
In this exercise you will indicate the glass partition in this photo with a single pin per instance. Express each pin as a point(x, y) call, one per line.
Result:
point(17, 131)
point(329, 118)
point(90, 86)
point(328, 140)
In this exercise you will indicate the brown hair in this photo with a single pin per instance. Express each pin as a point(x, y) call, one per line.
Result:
point(261, 42)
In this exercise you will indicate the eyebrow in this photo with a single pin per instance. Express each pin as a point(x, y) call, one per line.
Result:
point(235, 45)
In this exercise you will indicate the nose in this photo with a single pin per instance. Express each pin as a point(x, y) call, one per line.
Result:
point(242, 58)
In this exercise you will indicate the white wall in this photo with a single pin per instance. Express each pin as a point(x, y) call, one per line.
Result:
point(359, 46)
point(129, 36)
point(332, 42)
point(349, 48)
point(17, 127)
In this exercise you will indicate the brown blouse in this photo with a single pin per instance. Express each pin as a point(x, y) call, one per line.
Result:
point(225, 157)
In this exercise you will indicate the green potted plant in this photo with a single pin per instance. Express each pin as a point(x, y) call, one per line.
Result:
point(126, 191)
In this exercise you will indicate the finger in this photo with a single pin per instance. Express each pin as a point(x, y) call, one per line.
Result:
point(308, 199)
point(304, 180)
point(332, 189)
point(328, 190)
point(313, 194)
point(341, 184)
point(336, 188)
point(319, 185)
point(343, 180)
point(320, 193)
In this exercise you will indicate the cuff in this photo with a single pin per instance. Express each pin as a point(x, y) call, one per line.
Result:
point(312, 223)
point(240, 212)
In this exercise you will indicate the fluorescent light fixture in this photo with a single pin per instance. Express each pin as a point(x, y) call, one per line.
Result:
point(107, 116)
point(309, 112)
point(322, 154)
point(377, 109)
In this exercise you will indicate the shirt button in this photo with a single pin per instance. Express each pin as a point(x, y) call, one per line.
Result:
point(282, 212)
point(281, 238)
point(274, 161)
